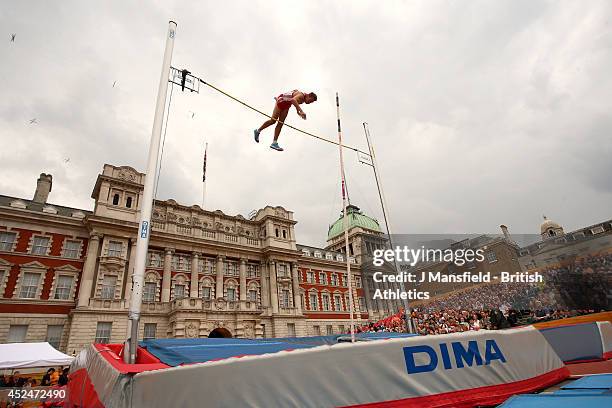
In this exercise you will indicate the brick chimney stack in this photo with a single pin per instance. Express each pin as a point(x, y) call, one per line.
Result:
point(43, 188)
point(506, 233)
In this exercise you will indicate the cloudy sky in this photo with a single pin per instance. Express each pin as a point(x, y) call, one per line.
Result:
point(482, 112)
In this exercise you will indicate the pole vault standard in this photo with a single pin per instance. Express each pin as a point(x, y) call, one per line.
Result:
point(144, 226)
point(381, 195)
point(345, 222)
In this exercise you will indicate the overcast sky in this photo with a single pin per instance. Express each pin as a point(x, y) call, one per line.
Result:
point(482, 112)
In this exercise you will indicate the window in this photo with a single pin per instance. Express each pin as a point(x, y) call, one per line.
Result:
point(181, 263)
point(179, 291)
point(252, 295)
point(284, 234)
point(115, 249)
point(310, 277)
point(290, 329)
point(40, 245)
point(108, 287)
point(54, 335)
point(231, 294)
point(325, 301)
point(282, 271)
point(71, 249)
point(116, 199)
point(7, 239)
point(322, 278)
point(318, 254)
point(63, 288)
point(334, 279)
point(306, 252)
point(302, 302)
point(317, 330)
point(330, 330)
point(491, 257)
point(358, 281)
point(339, 258)
point(276, 232)
point(150, 331)
point(29, 285)
point(148, 294)
point(341, 328)
point(103, 332)
point(252, 271)
point(285, 298)
point(329, 256)
point(313, 301)
point(128, 202)
point(337, 302)
point(154, 260)
point(231, 268)
point(362, 304)
point(206, 292)
point(17, 333)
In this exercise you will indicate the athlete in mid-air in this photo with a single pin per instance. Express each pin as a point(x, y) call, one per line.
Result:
point(283, 103)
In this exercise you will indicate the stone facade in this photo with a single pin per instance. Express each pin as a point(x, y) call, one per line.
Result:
point(65, 273)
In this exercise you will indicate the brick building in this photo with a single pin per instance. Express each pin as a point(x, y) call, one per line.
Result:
point(65, 272)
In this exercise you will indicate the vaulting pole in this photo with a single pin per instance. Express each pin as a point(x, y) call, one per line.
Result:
point(144, 226)
point(345, 222)
point(381, 195)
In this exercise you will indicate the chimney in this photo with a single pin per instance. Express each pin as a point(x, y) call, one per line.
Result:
point(506, 233)
point(43, 188)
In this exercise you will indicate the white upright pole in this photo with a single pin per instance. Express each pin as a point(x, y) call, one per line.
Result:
point(345, 222)
point(383, 204)
point(144, 226)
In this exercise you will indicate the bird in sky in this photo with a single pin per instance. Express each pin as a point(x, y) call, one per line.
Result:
point(114, 83)
point(13, 37)
point(66, 160)
point(33, 121)
point(192, 114)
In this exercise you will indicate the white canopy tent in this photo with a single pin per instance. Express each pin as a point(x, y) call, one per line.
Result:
point(26, 355)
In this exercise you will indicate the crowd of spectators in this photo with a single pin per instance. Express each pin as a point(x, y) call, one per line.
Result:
point(578, 287)
point(52, 377)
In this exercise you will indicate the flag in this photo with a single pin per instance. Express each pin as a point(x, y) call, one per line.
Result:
point(204, 165)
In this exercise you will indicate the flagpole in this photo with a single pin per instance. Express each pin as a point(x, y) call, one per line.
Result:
point(204, 176)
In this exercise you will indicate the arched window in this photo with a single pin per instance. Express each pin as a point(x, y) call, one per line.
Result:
point(128, 202)
point(116, 199)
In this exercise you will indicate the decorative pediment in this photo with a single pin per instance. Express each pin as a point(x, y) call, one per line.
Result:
point(128, 173)
point(67, 268)
point(34, 265)
point(5, 263)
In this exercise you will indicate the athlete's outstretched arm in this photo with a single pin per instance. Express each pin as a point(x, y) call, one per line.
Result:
point(299, 110)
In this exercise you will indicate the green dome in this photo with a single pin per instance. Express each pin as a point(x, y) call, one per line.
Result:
point(355, 219)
